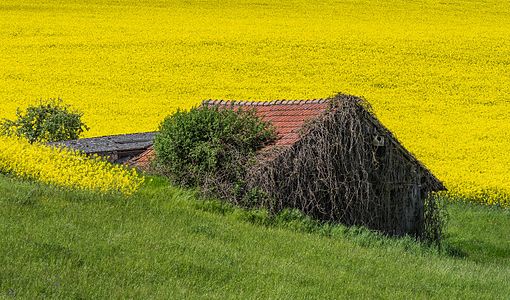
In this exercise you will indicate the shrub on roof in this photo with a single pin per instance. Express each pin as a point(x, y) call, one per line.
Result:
point(209, 147)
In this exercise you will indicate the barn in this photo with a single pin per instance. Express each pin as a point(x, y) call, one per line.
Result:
point(335, 161)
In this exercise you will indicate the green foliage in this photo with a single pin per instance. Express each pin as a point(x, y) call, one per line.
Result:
point(210, 147)
point(435, 218)
point(50, 121)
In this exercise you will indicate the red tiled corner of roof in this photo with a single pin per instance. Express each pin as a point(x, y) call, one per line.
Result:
point(287, 116)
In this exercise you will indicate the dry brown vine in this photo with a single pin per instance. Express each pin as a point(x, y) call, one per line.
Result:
point(348, 168)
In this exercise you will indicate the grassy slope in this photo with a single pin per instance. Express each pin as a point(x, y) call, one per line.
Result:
point(162, 244)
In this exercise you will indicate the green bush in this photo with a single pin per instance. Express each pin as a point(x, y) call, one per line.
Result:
point(210, 148)
point(50, 121)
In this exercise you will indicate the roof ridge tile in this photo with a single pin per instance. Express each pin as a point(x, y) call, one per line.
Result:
point(209, 102)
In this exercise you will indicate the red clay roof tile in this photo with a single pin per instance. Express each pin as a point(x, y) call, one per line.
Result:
point(288, 117)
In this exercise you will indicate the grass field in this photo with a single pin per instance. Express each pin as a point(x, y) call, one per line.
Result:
point(163, 243)
point(436, 72)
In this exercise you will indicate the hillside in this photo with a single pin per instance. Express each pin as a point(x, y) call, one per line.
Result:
point(165, 243)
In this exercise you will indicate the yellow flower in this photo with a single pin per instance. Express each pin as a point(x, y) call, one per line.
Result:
point(65, 168)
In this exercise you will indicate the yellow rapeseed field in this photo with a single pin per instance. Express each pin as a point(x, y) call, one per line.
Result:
point(436, 72)
point(65, 168)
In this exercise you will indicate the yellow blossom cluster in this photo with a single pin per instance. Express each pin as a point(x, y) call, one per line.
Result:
point(66, 168)
point(489, 196)
point(436, 72)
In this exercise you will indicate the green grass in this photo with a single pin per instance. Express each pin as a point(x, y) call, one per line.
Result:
point(164, 243)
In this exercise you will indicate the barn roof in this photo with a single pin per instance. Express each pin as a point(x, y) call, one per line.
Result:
point(287, 116)
point(112, 143)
